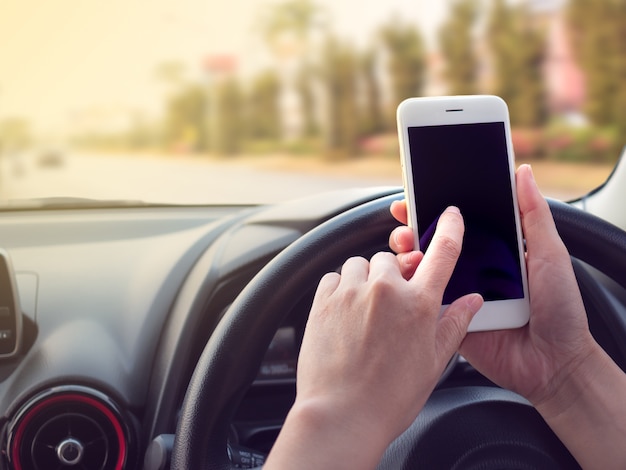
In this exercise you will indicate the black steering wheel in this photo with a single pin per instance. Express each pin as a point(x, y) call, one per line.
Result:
point(466, 427)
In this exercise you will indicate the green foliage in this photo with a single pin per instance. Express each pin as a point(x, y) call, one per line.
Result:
point(341, 92)
point(263, 114)
point(517, 45)
point(15, 134)
point(587, 144)
point(561, 142)
point(185, 122)
point(304, 86)
point(372, 114)
point(457, 46)
point(407, 61)
point(339, 72)
point(599, 37)
point(293, 18)
point(226, 117)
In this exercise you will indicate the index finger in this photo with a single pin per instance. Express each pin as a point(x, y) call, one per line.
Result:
point(441, 257)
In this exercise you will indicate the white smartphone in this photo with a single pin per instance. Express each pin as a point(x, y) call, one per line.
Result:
point(457, 150)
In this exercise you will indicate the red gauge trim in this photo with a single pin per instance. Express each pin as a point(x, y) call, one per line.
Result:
point(72, 397)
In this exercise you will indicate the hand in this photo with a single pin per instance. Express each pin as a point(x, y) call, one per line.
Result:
point(374, 348)
point(534, 360)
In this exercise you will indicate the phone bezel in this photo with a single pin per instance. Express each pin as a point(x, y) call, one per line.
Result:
point(449, 110)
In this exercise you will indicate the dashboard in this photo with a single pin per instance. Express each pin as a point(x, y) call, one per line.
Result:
point(117, 305)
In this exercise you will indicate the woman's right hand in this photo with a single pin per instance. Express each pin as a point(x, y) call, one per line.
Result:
point(533, 360)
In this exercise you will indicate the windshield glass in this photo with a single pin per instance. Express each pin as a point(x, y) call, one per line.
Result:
point(250, 101)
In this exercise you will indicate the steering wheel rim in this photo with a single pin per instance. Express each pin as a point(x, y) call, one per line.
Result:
point(225, 369)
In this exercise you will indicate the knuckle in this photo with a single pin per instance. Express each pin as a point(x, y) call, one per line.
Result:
point(448, 246)
point(383, 256)
point(382, 288)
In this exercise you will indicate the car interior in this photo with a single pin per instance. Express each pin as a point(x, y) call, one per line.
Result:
point(177, 176)
point(149, 334)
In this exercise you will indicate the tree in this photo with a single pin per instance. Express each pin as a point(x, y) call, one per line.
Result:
point(15, 134)
point(517, 47)
point(294, 18)
point(227, 122)
point(171, 73)
point(304, 85)
point(263, 116)
point(287, 29)
point(457, 47)
point(598, 30)
point(339, 71)
point(185, 122)
point(373, 116)
point(406, 62)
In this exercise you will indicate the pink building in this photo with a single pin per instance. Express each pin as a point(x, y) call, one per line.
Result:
point(564, 79)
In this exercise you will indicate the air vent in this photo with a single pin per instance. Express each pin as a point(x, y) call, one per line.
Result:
point(68, 428)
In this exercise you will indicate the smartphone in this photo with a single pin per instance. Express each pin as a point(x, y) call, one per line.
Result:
point(457, 150)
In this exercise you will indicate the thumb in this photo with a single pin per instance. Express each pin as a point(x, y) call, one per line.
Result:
point(454, 322)
point(537, 222)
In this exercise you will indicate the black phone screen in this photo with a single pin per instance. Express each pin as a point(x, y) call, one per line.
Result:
point(467, 165)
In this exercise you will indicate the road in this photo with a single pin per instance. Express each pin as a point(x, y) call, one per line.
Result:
point(163, 180)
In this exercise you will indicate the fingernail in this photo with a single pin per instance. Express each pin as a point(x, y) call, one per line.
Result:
point(475, 301)
point(530, 171)
point(453, 209)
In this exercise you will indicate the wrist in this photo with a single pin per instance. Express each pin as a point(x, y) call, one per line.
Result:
point(588, 414)
point(574, 382)
point(318, 434)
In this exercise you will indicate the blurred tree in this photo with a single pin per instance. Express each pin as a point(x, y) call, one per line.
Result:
point(457, 46)
point(142, 133)
point(517, 46)
point(289, 24)
point(171, 73)
point(226, 133)
point(15, 134)
point(598, 29)
point(185, 122)
point(263, 114)
point(406, 62)
point(288, 29)
point(304, 85)
point(373, 116)
point(339, 71)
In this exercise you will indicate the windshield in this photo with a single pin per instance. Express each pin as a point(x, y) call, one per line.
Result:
point(244, 101)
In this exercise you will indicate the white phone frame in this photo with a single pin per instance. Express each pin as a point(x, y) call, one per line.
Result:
point(446, 110)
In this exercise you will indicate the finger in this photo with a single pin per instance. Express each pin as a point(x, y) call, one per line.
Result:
point(401, 239)
point(409, 263)
point(384, 265)
point(537, 222)
point(434, 271)
point(327, 286)
point(355, 270)
point(398, 210)
point(454, 322)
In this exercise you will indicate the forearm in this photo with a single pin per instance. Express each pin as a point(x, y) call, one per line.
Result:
point(588, 413)
point(314, 438)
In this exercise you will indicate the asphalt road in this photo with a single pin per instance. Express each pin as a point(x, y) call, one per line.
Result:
point(161, 180)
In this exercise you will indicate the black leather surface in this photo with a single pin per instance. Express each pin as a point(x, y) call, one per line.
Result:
point(592, 240)
point(477, 428)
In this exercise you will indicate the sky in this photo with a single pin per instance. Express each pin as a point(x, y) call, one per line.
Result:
point(59, 58)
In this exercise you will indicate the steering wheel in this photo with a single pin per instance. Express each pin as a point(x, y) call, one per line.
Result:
point(465, 427)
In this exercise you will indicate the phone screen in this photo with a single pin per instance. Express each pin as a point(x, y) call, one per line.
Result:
point(467, 165)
